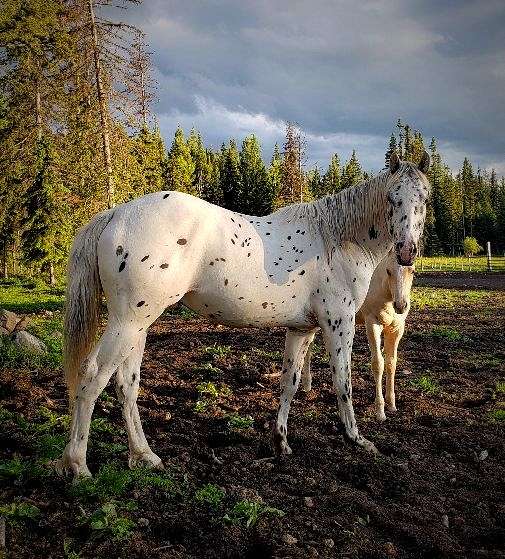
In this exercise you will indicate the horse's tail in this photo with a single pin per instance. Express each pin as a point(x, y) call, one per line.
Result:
point(82, 299)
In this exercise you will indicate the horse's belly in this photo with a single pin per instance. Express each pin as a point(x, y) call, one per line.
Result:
point(244, 308)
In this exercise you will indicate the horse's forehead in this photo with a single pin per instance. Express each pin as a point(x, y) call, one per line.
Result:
point(411, 182)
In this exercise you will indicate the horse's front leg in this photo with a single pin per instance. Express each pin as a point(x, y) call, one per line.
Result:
point(373, 333)
point(295, 350)
point(337, 326)
point(392, 337)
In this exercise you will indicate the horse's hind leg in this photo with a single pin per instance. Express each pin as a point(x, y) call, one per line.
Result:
point(295, 350)
point(306, 372)
point(127, 388)
point(115, 345)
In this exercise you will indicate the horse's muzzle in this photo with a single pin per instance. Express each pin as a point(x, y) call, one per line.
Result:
point(400, 308)
point(406, 253)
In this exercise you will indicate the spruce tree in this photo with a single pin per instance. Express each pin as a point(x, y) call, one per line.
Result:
point(257, 192)
point(352, 173)
point(200, 160)
point(46, 236)
point(391, 149)
point(230, 177)
point(181, 167)
point(332, 177)
point(275, 172)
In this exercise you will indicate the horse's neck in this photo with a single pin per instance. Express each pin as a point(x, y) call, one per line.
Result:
point(364, 219)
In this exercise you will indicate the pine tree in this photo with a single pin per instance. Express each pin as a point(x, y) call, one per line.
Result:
point(181, 167)
point(392, 149)
point(315, 183)
point(467, 180)
point(200, 161)
point(293, 185)
point(275, 172)
point(257, 192)
point(212, 191)
point(148, 149)
point(45, 238)
point(332, 177)
point(352, 173)
point(230, 177)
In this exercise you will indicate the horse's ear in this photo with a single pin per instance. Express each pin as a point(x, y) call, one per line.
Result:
point(394, 162)
point(424, 164)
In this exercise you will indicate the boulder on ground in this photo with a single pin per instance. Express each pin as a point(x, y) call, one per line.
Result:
point(22, 324)
point(29, 342)
point(8, 320)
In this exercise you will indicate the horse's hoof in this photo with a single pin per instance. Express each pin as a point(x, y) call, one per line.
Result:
point(65, 466)
point(381, 416)
point(146, 460)
point(391, 408)
point(369, 446)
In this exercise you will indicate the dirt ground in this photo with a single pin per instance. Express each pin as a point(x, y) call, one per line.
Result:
point(436, 490)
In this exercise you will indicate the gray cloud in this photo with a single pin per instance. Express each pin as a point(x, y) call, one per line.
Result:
point(342, 70)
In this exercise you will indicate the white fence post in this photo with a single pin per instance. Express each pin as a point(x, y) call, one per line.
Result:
point(488, 252)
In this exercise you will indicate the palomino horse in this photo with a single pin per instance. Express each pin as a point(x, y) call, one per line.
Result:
point(302, 267)
point(385, 309)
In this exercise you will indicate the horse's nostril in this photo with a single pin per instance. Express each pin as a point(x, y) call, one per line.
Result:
point(399, 245)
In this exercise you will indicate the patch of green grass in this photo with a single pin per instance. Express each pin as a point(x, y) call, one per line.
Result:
point(210, 494)
point(273, 355)
point(106, 522)
point(114, 481)
point(217, 350)
point(30, 296)
point(209, 389)
point(436, 298)
point(248, 512)
point(500, 386)
point(209, 395)
point(497, 415)
point(13, 356)
point(207, 369)
point(426, 384)
point(448, 334)
point(17, 512)
point(236, 421)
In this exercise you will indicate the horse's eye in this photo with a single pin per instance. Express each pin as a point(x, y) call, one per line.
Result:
point(389, 273)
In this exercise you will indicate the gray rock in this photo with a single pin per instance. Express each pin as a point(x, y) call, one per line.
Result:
point(8, 320)
point(30, 342)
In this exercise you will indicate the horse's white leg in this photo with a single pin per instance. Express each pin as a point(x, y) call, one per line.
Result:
point(127, 389)
point(392, 338)
point(373, 333)
point(115, 345)
point(306, 373)
point(338, 335)
point(294, 354)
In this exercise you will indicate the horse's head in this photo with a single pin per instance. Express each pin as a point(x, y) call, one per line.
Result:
point(408, 190)
point(399, 279)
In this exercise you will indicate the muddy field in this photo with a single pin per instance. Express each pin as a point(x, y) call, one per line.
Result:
point(207, 399)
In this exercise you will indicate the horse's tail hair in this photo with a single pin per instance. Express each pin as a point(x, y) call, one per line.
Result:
point(82, 299)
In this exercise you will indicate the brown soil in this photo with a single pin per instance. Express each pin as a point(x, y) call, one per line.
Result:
point(432, 493)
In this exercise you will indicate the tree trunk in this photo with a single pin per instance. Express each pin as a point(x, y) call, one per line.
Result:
point(5, 267)
point(104, 110)
point(38, 111)
point(52, 279)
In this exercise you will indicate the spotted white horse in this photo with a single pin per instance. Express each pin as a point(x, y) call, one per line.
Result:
point(384, 311)
point(302, 267)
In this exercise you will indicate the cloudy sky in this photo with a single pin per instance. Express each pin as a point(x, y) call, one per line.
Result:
point(344, 70)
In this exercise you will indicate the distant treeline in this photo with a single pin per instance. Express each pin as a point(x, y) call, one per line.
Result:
point(77, 136)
